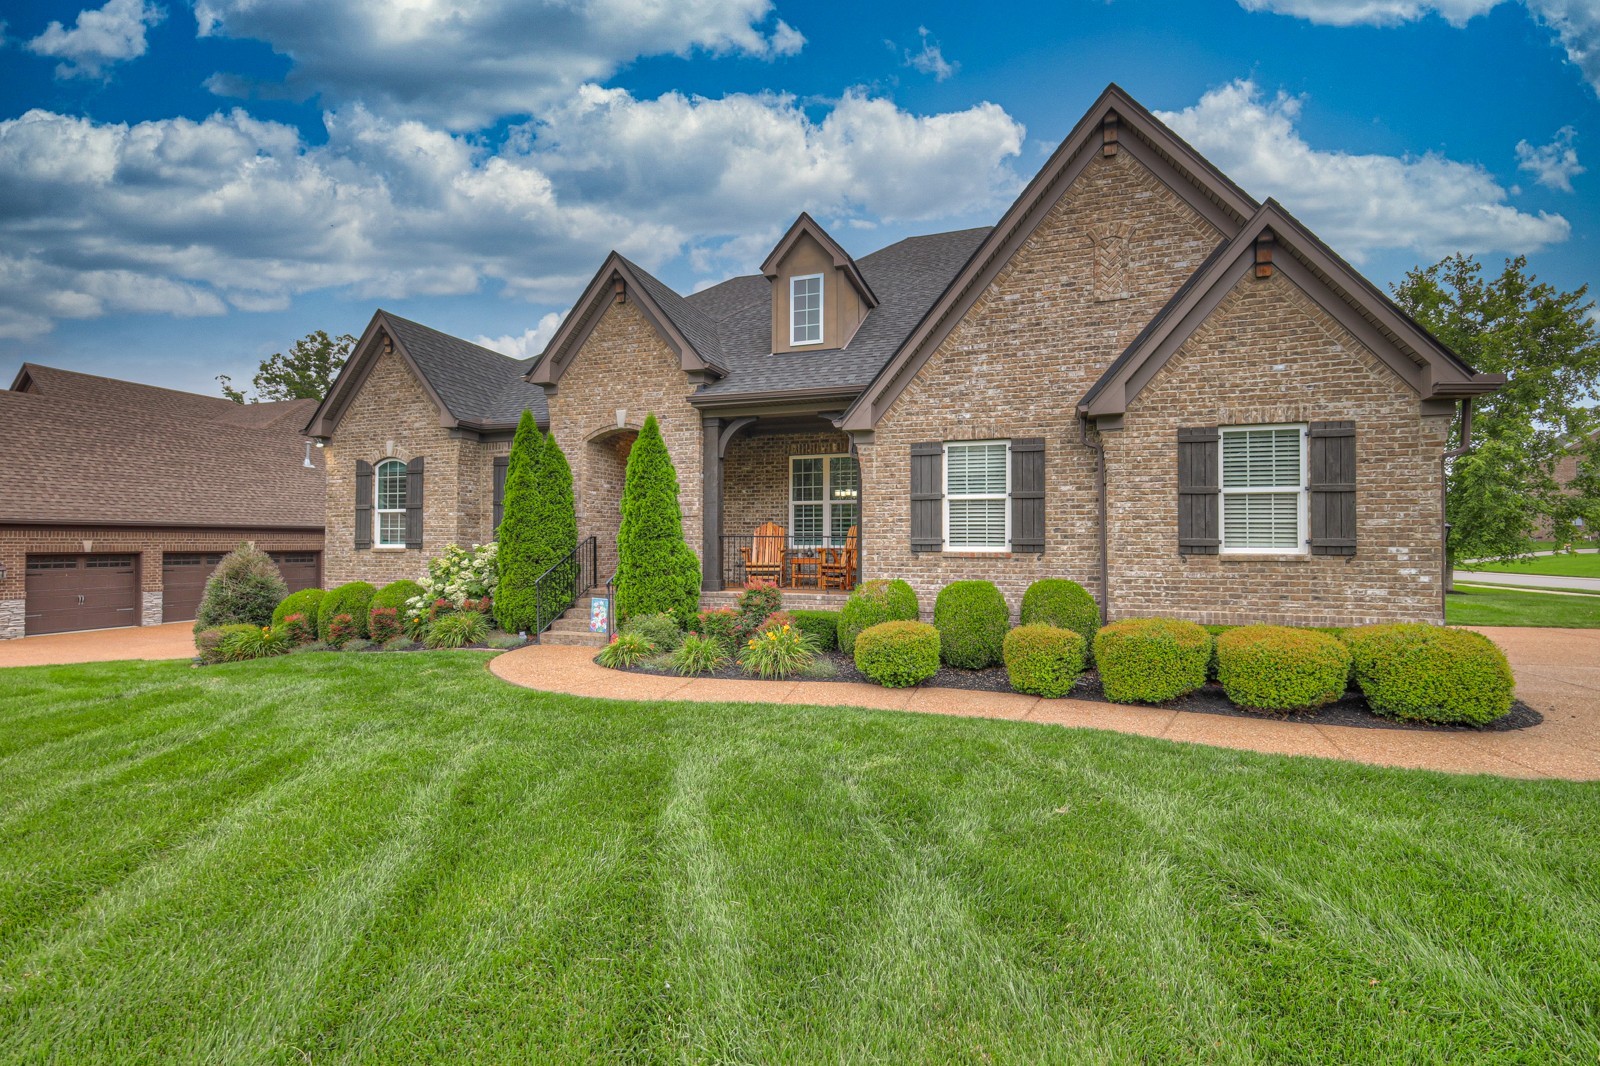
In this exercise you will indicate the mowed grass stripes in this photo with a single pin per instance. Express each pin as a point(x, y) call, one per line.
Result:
point(360, 859)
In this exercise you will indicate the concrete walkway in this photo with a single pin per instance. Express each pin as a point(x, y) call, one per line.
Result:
point(1558, 673)
point(174, 640)
point(1527, 581)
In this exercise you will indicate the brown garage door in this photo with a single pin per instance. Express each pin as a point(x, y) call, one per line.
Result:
point(300, 570)
point(69, 592)
point(183, 579)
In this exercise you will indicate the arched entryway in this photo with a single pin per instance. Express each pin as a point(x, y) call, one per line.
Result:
point(599, 495)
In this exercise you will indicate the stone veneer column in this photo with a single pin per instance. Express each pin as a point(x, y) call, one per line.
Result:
point(151, 614)
point(11, 619)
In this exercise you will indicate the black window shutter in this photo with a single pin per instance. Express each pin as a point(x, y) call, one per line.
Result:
point(1331, 455)
point(414, 503)
point(501, 462)
point(1199, 491)
point(1027, 494)
point(363, 504)
point(927, 497)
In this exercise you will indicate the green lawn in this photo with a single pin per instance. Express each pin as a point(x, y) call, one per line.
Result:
point(399, 858)
point(1586, 564)
point(1481, 605)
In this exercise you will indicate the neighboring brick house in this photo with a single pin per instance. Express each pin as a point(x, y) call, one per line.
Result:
point(118, 499)
point(1566, 472)
point(416, 430)
point(1140, 378)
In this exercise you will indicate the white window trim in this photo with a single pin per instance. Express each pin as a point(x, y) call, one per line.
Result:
point(378, 512)
point(1302, 504)
point(1006, 496)
point(822, 310)
point(827, 502)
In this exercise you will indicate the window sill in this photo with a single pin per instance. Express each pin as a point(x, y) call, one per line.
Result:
point(1265, 557)
point(391, 548)
point(958, 553)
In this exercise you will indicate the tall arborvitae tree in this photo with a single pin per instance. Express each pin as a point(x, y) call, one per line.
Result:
point(656, 571)
point(555, 516)
point(518, 535)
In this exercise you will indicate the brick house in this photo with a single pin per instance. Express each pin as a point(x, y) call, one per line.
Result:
point(1140, 378)
point(118, 499)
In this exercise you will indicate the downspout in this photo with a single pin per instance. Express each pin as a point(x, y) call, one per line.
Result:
point(1448, 582)
point(1099, 449)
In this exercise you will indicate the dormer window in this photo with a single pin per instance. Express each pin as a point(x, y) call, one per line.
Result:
point(805, 309)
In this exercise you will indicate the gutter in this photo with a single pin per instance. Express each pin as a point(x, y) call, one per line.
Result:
point(1099, 449)
point(1447, 582)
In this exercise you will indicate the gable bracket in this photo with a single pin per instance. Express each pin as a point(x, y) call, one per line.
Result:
point(1108, 134)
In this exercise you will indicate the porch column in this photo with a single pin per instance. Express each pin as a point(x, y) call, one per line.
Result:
point(711, 508)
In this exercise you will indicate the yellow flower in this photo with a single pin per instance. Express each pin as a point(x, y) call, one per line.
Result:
point(786, 629)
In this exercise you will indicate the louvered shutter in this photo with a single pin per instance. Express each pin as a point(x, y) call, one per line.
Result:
point(363, 504)
point(1027, 494)
point(1198, 491)
point(927, 497)
point(414, 503)
point(1332, 484)
point(501, 462)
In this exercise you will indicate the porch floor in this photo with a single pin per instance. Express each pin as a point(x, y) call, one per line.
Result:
point(805, 599)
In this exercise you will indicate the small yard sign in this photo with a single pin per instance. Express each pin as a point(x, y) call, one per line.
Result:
point(599, 614)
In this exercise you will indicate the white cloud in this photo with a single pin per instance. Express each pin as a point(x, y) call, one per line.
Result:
point(99, 38)
point(929, 59)
point(1553, 165)
point(530, 342)
point(461, 66)
point(1359, 203)
point(1576, 22)
point(186, 218)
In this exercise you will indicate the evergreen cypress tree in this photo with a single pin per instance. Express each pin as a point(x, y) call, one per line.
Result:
point(656, 571)
point(518, 535)
point(555, 520)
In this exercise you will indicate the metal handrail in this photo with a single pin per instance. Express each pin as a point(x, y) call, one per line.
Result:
point(558, 588)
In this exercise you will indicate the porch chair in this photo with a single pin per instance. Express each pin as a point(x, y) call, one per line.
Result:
point(764, 560)
point(839, 564)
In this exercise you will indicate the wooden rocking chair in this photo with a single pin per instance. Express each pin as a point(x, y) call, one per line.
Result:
point(764, 560)
point(838, 569)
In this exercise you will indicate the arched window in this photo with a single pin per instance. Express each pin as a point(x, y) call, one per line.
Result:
point(389, 516)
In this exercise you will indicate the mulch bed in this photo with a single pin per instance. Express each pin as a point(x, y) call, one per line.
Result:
point(1352, 710)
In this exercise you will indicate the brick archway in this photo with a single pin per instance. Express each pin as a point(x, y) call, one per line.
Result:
point(599, 491)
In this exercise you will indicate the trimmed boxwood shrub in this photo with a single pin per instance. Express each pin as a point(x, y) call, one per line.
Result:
point(898, 654)
point(1055, 601)
point(972, 619)
point(660, 629)
point(820, 626)
point(1151, 660)
point(244, 588)
point(396, 594)
point(1043, 660)
point(873, 602)
point(1431, 673)
point(305, 602)
point(656, 570)
point(1275, 668)
point(353, 599)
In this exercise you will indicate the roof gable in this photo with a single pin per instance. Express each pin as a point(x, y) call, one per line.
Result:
point(806, 226)
point(1116, 122)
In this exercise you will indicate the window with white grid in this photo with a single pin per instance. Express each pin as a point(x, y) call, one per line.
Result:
point(389, 516)
point(1263, 488)
point(977, 514)
point(824, 500)
point(805, 309)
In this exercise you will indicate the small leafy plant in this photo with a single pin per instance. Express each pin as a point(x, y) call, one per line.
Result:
point(625, 649)
point(298, 628)
point(383, 624)
point(661, 629)
point(699, 655)
point(458, 630)
point(342, 630)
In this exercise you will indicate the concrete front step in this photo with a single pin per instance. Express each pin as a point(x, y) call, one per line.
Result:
point(585, 639)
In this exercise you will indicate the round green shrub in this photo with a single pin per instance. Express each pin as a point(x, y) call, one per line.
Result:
point(243, 589)
point(1275, 668)
point(821, 626)
point(1151, 660)
point(353, 599)
point(972, 619)
point(305, 602)
point(396, 594)
point(898, 654)
point(1431, 673)
point(1055, 601)
point(873, 602)
point(1043, 660)
point(660, 629)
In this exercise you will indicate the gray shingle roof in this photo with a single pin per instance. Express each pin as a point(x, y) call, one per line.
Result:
point(907, 277)
point(697, 327)
point(477, 384)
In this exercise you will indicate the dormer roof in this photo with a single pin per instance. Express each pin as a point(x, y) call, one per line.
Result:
point(805, 225)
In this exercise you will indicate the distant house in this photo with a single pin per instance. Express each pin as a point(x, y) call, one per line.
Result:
point(118, 499)
point(1139, 378)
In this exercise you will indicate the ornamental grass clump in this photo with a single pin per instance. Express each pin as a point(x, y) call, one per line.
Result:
point(972, 619)
point(699, 655)
point(457, 630)
point(1275, 668)
point(304, 603)
point(898, 654)
point(1429, 673)
point(873, 602)
point(243, 589)
point(1151, 660)
point(1055, 601)
point(777, 652)
point(238, 643)
point(626, 648)
point(1044, 660)
point(353, 599)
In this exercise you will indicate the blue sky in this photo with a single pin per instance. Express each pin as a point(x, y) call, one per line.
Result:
point(184, 190)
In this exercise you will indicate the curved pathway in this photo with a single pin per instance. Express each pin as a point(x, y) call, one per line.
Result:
point(1558, 673)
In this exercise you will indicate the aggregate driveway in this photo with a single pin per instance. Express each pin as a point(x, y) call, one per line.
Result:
point(174, 640)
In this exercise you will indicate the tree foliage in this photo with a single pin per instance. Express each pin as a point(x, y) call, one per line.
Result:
point(243, 589)
point(518, 537)
point(656, 571)
point(304, 373)
point(1547, 344)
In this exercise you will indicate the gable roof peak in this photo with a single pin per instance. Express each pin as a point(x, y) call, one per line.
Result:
point(805, 225)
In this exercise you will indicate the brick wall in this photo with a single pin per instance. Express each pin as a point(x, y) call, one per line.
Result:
point(624, 364)
point(755, 476)
point(1018, 363)
point(1268, 354)
point(392, 417)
